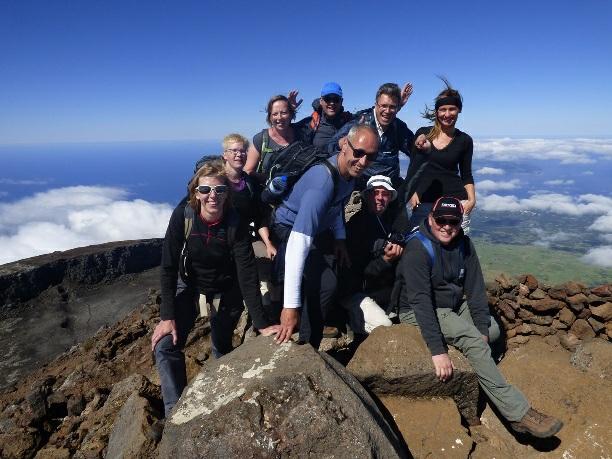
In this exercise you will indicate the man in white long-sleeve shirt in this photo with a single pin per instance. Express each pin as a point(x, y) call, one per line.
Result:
point(309, 227)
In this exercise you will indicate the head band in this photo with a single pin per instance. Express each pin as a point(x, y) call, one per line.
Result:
point(449, 100)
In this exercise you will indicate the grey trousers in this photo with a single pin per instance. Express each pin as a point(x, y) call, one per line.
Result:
point(459, 331)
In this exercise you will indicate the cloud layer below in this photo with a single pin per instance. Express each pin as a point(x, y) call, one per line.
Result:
point(566, 151)
point(65, 218)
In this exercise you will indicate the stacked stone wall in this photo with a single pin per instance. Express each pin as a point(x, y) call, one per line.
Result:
point(570, 311)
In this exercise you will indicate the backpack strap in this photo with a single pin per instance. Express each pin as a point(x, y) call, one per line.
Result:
point(315, 121)
point(335, 175)
point(426, 244)
point(265, 150)
point(188, 214)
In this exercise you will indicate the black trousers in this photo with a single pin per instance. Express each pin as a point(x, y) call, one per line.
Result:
point(319, 282)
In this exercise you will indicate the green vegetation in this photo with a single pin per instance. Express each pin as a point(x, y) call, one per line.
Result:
point(547, 265)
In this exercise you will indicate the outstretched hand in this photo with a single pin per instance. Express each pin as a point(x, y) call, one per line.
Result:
point(292, 97)
point(406, 93)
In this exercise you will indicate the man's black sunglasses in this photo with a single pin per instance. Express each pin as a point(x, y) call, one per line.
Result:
point(441, 221)
point(332, 99)
point(205, 189)
point(360, 152)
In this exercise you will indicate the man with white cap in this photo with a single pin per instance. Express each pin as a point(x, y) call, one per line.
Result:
point(439, 266)
point(367, 284)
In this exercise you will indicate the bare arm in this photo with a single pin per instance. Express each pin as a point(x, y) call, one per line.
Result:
point(471, 200)
point(252, 160)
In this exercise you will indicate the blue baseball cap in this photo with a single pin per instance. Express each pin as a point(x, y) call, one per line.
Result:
point(331, 88)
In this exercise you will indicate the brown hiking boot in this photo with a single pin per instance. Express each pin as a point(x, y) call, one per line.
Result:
point(537, 424)
point(330, 332)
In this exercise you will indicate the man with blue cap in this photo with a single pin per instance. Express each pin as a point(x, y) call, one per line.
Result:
point(327, 118)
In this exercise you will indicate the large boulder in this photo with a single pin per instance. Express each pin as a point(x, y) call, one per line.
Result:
point(395, 361)
point(269, 400)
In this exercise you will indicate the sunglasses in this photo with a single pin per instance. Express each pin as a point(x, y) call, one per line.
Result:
point(205, 189)
point(441, 221)
point(360, 152)
point(332, 99)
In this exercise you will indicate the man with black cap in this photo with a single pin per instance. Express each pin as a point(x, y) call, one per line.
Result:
point(326, 119)
point(439, 265)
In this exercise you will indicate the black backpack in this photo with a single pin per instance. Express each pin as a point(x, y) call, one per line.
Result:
point(292, 162)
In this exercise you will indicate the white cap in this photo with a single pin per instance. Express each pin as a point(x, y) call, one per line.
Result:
point(381, 180)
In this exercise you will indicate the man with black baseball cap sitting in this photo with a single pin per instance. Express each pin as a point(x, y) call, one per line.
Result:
point(438, 266)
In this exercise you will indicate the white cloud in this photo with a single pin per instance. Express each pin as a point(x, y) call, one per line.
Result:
point(586, 204)
point(602, 224)
point(64, 218)
point(577, 206)
point(492, 185)
point(566, 151)
point(559, 182)
point(490, 171)
point(601, 256)
point(588, 173)
point(546, 238)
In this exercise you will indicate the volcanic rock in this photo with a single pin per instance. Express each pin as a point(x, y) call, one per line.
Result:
point(567, 316)
point(582, 329)
point(603, 312)
point(405, 369)
point(266, 400)
point(136, 430)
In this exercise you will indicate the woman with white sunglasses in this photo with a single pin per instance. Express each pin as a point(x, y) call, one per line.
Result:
point(207, 267)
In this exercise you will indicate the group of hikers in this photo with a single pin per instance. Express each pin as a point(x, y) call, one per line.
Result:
point(403, 257)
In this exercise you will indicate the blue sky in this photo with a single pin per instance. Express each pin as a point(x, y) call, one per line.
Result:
point(74, 71)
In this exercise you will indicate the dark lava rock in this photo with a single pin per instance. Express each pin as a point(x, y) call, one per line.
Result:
point(266, 400)
point(405, 368)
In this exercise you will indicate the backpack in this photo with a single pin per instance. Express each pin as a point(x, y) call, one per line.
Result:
point(265, 151)
point(292, 162)
point(428, 245)
point(189, 215)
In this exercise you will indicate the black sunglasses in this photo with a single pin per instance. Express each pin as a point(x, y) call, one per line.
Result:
point(332, 99)
point(218, 189)
point(441, 221)
point(360, 152)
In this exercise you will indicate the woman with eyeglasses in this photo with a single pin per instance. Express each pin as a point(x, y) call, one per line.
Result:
point(282, 132)
point(246, 190)
point(208, 267)
point(448, 154)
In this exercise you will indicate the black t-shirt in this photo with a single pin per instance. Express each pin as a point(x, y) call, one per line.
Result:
point(448, 171)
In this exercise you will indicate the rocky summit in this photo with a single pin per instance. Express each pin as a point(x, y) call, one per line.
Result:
point(99, 396)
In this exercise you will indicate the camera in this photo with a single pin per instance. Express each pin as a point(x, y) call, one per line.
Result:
point(396, 238)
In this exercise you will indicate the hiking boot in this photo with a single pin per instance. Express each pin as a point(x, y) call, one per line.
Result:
point(537, 424)
point(330, 332)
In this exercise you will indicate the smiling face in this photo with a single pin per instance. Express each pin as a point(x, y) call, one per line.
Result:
point(235, 155)
point(445, 232)
point(331, 105)
point(386, 109)
point(280, 115)
point(211, 204)
point(447, 115)
point(356, 155)
point(378, 199)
